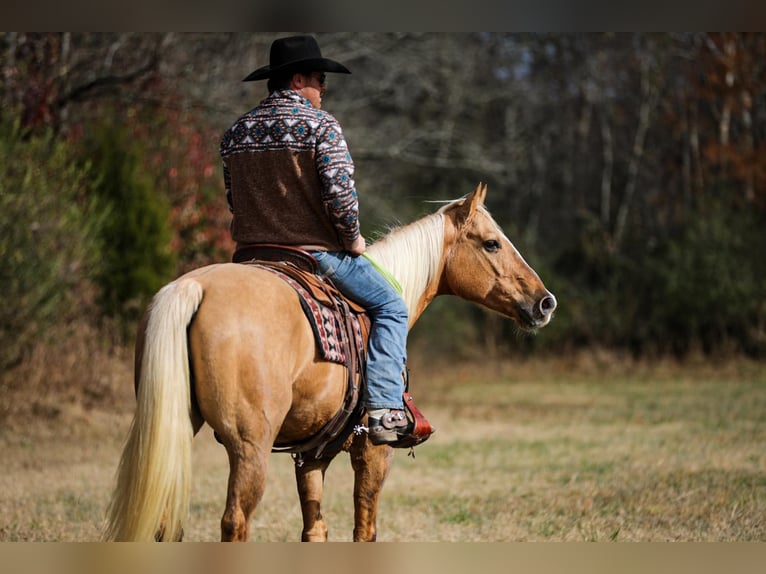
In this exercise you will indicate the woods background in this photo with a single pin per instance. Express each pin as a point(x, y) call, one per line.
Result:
point(627, 168)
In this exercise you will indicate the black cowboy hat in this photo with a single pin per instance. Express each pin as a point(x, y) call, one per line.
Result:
point(299, 52)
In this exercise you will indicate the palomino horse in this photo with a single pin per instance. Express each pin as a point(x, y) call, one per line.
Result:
point(228, 345)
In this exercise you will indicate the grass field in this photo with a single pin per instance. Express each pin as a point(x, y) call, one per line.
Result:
point(530, 452)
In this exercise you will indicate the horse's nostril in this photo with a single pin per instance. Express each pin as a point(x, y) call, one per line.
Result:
point(547, 305)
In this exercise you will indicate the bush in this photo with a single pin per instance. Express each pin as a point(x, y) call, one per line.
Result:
point(710, 282)
point(698, 289)
point(47, 232)
point(136, 235)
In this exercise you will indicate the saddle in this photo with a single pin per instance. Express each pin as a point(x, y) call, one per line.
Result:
point(341, 329)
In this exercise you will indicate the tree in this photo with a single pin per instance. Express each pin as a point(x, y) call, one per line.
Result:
point(136, 235)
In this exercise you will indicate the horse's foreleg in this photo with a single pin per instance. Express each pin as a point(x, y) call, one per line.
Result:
point(371, 465)
point(309, 476)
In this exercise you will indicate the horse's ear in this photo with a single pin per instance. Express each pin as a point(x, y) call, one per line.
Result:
point(478, 195)
point(472, 203)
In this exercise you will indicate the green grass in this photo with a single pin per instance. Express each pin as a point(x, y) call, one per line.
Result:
point(521, 453)
point(673, 456)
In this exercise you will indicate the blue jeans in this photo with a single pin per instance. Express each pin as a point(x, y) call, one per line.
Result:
point(387, 351)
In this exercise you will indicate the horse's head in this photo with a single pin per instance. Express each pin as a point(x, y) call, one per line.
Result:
point(483, 266)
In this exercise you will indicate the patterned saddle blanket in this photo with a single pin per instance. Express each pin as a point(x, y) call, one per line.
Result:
point(332, 317)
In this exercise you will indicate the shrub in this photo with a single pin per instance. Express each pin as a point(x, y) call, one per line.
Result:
point(710, 282)
point(47, 237)
point(136, 235)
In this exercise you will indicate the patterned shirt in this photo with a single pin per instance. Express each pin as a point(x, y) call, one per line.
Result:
point(289, 176)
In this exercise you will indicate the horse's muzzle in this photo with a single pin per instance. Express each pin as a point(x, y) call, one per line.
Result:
point(539, 314)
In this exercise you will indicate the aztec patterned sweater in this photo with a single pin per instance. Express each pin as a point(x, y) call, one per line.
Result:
point(289, 176)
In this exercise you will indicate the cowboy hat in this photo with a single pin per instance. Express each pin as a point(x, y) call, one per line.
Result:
point(296, 52)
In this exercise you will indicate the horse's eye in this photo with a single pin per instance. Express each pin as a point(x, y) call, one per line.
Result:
point(491, 245)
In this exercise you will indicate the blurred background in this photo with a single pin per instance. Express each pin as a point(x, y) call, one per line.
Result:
point(629, 169)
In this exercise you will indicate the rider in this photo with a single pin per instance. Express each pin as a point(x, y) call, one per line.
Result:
point(289, 180)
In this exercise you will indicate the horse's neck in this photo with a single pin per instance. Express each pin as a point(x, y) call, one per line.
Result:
point(413, 255)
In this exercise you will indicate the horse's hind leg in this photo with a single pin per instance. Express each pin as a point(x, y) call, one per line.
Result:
point(247, 479)
point(309, 474)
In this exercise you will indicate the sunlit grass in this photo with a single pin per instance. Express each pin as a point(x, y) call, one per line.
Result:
point(521, 453)
point(669, 457)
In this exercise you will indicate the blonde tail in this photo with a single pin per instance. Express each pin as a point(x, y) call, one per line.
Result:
point(151, 498)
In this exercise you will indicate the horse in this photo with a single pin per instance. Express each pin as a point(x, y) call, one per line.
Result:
point(229, 345)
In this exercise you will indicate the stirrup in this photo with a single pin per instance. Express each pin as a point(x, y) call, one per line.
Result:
point(421, 428)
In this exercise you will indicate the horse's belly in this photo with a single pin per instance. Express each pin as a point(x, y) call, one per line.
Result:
point(317, 397)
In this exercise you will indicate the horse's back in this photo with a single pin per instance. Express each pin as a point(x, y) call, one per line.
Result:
point(239, 282)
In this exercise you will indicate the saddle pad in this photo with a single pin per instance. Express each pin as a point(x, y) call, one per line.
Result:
point(326, 322)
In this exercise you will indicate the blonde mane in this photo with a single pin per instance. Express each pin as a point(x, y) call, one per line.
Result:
point(413, 254)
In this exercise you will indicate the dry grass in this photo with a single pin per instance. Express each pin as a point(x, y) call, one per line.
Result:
point(592, 449)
